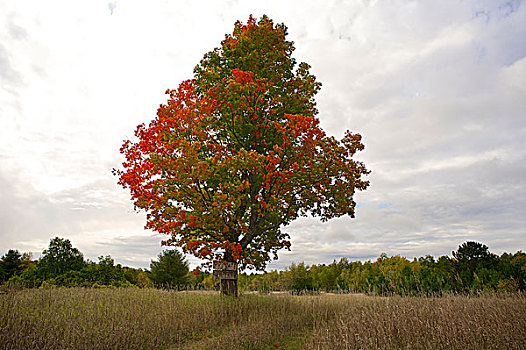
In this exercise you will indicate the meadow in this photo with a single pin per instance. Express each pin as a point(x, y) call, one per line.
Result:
point(130, 318)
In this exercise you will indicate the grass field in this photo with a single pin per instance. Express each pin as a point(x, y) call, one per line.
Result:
point(156, 319)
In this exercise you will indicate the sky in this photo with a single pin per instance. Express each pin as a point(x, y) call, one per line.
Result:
point(437, 89)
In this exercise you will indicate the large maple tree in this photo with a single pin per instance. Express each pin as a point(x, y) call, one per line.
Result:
point(237, 153)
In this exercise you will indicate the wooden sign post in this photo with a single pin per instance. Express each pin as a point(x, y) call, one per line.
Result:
point(227, 273)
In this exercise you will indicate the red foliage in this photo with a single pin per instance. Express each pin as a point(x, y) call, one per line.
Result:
point(229, 160)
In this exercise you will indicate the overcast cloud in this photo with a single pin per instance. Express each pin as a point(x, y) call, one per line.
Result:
point(436, 88)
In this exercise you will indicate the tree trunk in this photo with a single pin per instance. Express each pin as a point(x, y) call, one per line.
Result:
point(228, 274)
point(229, 287)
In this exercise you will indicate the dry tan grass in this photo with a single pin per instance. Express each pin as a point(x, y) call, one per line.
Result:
point(154, 319)
point(450, 322)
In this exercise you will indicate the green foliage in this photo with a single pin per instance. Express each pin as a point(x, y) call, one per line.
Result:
point(261, 48)
point(300, 278)
point(103, 273)
point(10, 265)
point(472, 256)
point(385, 276)
point(170, 271)
point(59, 258)
point(62, 265)
point(470, 251)
point(474, 270)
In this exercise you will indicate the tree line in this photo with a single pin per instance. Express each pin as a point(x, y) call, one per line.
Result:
point(472, 268)
point(62, 265)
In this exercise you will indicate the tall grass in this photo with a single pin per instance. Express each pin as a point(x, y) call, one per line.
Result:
point(144, 319)
point(155, 319)
point(449, 322)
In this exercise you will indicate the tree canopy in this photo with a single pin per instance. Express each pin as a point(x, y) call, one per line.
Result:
point(170, 271)
point(10, 264)
point(237, 153)
point(60, 257)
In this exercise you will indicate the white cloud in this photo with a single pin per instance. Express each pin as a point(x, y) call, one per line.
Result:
point(436, 89)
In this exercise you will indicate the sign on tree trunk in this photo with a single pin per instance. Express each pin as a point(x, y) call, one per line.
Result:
point(227, 273)
point(225, 265)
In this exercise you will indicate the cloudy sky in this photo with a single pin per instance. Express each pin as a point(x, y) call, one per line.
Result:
point(436, 88)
